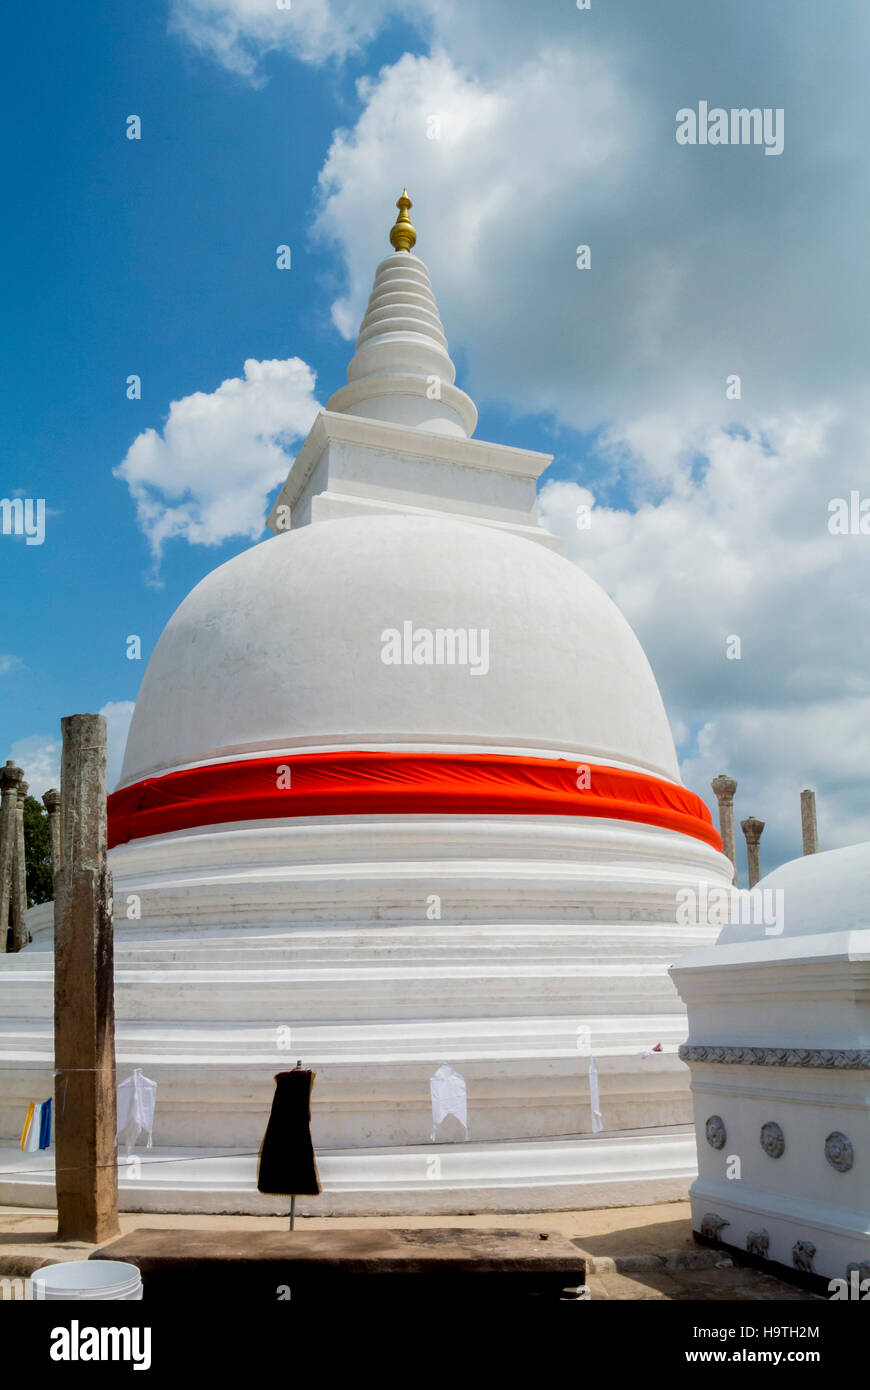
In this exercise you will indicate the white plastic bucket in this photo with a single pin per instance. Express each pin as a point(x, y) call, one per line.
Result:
point(86, 1279)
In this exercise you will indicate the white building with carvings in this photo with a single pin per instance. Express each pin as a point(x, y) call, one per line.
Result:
point(399, 791)
point(779, 1051)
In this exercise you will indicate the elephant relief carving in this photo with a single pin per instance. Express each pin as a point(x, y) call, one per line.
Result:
point(758, 1243)
point(713, 1225)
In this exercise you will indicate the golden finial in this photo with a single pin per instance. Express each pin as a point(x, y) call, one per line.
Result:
point(402, 234)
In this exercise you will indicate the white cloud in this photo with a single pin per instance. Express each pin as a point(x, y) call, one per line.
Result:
point(740, 547)
point(695, 253)
point(558, 130)
point(239, 34)
point(489, 200)
point(118, 714)
point(208, 476)
point(775, 753)
point(8, 663)
point(39, 755)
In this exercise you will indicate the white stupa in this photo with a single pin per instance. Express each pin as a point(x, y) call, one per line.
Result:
point(399, 791)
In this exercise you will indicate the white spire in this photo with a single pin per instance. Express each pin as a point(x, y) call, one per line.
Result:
point(401, 371)
point(396, 439)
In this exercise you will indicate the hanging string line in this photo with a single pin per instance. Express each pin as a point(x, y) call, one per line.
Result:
point(80, 1167)
point(254, 1153)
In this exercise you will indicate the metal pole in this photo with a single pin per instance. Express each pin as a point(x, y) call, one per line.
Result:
point(293, 1198)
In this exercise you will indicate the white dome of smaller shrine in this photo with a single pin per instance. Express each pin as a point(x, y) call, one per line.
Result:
point(821, 894)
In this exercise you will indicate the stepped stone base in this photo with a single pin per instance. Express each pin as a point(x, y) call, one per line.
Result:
point(549, 1175)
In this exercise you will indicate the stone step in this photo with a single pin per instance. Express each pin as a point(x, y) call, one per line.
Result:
point(366, 994)
point(126, 956)
point(559, 1174)
point(555, 1037)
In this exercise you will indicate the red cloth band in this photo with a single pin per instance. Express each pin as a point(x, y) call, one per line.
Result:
point(360, 783)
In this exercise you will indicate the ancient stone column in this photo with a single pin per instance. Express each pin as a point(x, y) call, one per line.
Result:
point(51, 802)
point(10, 776)
point(19, 875)
point(809, 830)
point(724, 788)
point(84, 1012)
point(752, 829)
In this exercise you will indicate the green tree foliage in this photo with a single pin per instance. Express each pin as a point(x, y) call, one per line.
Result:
point(37, 852)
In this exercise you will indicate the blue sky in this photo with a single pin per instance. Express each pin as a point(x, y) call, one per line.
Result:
point(154, 257)
point(157, 257)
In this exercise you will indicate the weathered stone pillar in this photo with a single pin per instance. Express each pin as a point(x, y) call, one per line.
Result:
point(809, 829)
point(10, 776)
point(51, 802)
point(84, 1011)
point(19, 875)
point(724, 788)
point(752, 829)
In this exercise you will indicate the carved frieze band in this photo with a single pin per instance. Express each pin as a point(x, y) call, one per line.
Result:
point(830, 1058)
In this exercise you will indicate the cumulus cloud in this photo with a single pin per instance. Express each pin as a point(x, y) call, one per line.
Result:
point(558, 129)
point(239, 34)
point(208, 475)
point(493, 168)
point(739, 546)
point(39, 755)
point(118, 714)
point(775, 754)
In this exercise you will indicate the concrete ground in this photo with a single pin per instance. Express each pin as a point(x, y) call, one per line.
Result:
point(632, 1252)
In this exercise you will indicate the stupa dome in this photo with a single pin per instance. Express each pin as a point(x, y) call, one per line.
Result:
point(281, 649)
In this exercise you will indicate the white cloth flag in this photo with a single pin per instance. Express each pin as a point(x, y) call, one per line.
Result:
point(597, 1121)
point(137, 1098)
point(448, 1092)
point(31, 1143)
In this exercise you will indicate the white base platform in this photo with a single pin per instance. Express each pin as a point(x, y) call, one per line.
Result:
point(561, 1174)
point(257, 945)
